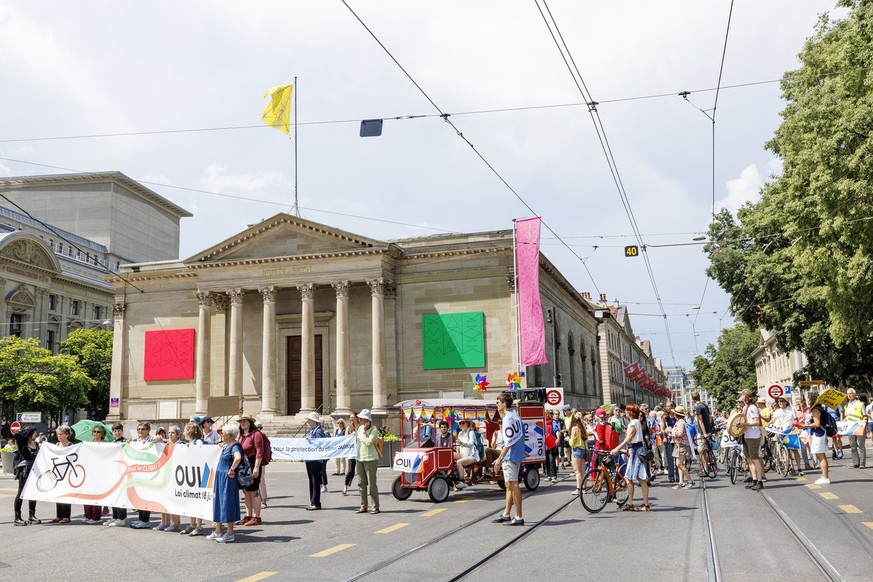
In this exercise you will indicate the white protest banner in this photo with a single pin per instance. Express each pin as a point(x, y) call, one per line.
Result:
point(534, 439)
point(300, 449)
point(850, 428)
point(408, 462)
point(168, 478)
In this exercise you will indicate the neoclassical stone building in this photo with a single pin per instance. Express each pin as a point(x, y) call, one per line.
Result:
point(292, 316)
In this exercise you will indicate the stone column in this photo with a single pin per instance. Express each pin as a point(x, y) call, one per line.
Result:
point(236, 342)
point(119, 347)
point(380, 397)
point(204, 351)
point(268, 362)
point(343, 351)
point(307, 348)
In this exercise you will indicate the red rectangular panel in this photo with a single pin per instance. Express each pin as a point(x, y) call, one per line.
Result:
point(169, 355)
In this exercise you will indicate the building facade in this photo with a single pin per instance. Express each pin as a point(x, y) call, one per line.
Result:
point(292, 316)
point(51, 272)
point(773, 366)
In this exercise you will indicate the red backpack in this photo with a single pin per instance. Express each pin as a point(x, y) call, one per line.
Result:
point(267, 455)
point(611, 437)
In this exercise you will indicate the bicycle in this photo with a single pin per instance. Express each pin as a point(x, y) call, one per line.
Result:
point(67, 469)
point(711, 467)
point(779, 452)
point(602, 484)
point(736, 461)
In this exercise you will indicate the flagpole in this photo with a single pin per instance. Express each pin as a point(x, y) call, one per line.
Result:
point(517, 318)
point(296, 99)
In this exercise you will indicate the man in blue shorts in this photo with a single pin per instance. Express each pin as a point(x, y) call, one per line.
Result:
point(510, 459)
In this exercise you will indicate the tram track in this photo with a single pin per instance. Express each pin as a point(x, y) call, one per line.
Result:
point(442, 536)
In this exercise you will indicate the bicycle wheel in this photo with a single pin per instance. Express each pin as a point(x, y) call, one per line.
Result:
point(711, 465)
point(595, 491)
point(782, 459)
point(621, 492)
point(732, 466)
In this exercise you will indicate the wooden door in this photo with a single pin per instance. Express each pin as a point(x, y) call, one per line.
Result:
point(293, 357)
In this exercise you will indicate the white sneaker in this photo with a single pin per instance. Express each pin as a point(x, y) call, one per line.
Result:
point(171, 528)
point(324, 488)
point(461, 485)
point(575, 492)
point(160, 527)
point(213, 536)
point(225, 539)
point(822, 481)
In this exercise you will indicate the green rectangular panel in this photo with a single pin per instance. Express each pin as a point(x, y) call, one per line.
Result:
point(453, 340)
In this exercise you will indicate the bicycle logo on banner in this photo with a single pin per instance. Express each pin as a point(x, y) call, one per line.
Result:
point(67, 469)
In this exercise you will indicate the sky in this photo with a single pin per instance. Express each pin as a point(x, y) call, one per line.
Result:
point(154, 71)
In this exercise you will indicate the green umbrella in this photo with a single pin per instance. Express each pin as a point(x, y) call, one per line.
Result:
point(82, 430)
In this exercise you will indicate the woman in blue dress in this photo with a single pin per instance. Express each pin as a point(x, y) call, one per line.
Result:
point(225, 503)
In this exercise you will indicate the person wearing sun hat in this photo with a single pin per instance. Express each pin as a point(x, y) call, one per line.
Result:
point(314, 468)
point(681, 448)
point(254, 446)
point(367, 457)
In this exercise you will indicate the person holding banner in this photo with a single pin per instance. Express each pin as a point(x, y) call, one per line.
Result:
point(94, 513)
point(314, 468)
point(783, 419)
point(350, 471)
point(510, 459)
point(367, 458)
point(339, 431)
point(194, 436)
point(142, 430)
point(225, 503)
point(63, 511)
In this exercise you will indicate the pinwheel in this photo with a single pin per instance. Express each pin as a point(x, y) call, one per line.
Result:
point(481, 383)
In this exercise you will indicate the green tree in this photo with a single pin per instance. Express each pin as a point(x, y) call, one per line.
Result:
point(92, 349)
point(32, 379)
point(729, 368)
point(798, 262)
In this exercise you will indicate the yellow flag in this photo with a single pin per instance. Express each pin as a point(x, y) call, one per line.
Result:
point(277, 113)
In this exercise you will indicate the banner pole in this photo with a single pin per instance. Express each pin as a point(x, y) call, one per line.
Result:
point(517, 316)
point(295, 97)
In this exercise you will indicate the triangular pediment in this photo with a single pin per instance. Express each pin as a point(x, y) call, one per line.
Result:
point(284, 235)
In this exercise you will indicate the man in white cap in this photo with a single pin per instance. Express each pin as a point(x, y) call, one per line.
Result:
point(314, 468)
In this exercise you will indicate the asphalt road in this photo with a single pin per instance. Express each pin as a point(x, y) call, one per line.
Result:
point(419, 540)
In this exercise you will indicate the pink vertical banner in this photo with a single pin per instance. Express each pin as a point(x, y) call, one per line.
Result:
point(531, 328)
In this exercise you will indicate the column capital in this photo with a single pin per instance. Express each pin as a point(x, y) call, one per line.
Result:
point(220, 301)
point(269, 293)
point(379, 286)
point(204, 298)
point(236, 296)
point(307, 291)
point(341, 288)
point(118, 310)
point(510, 279)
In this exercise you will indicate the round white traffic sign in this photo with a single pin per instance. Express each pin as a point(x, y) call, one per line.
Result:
point(553, 397)
point(775, 391)
point(15, 427)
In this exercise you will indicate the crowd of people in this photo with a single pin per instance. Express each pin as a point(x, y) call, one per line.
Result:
point(243, 445)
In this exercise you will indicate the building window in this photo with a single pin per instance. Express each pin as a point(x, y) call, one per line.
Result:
point(53, 302)
point(97, 314)
point(74, 308)
point(15, 321)
point(70, 251)
point(60, 248)
point(50, 341)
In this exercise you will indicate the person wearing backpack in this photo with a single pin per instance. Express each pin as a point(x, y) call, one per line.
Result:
point(819, 441)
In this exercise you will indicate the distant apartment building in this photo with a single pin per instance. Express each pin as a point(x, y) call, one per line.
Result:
point(773, 366)
point(60, 234)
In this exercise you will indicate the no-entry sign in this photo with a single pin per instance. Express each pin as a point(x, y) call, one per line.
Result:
point(15, 427)
point(554, 398)
point(775, 391)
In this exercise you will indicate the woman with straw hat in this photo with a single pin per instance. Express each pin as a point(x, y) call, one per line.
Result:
point(367, 458)
point(681, 448)
point(314, 468)
point(254, 447)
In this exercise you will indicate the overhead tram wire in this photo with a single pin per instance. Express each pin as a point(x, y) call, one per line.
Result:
point(579, 81)
point(446, 118)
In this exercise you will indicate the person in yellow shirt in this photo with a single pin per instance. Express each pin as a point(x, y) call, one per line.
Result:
point(855, 413)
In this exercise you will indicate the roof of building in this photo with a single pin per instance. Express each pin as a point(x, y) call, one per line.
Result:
point(129, 183)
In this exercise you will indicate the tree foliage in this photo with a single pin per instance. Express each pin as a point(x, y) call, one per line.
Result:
point(729, 368)
point(800, 261)
point(32, 379)
point(92, 349)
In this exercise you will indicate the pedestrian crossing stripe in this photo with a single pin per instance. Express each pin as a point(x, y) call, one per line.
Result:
point(814, 486)
point(850, 509)
point(257, 577)
point(433, 512)
point(392, 528)
point(333, 550)
point(12, 489)
point(868, 524)
point(828, 495)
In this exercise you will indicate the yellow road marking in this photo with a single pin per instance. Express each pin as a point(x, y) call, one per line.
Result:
point(828, 495)
point(332, 550)
point(13, 489)
point(462, 501)
point(814, 486)
point(850, 509)
point(391, 528)
point(868, 524)
point(432, 512)
point(801, 479)
point(258, 576)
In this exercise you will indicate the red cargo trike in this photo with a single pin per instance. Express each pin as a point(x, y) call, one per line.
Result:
point(425, 467)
